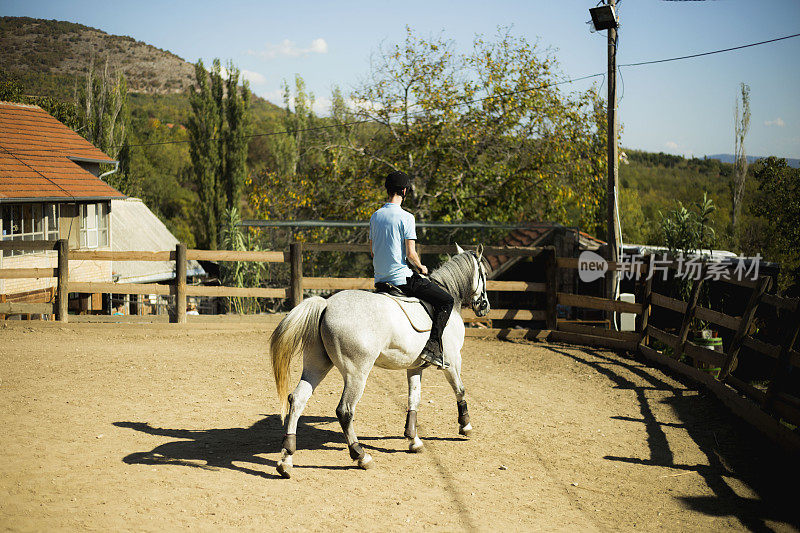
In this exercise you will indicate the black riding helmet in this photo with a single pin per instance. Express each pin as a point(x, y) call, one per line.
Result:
point(397, 181)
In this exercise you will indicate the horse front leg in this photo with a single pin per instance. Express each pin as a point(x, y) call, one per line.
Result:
point(453, 375)
point(414, 393)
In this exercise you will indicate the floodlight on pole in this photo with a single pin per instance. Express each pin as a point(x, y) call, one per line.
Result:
point(604, 17)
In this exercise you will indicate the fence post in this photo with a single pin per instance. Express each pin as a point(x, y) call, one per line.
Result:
point(691, 307)
point(551, 288)
point(62, 296)
point(296, 269)
point(646, 296)
point(744, 326)
point(180, 283)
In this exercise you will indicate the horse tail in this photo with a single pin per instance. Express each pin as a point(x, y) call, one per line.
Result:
point(298, 329)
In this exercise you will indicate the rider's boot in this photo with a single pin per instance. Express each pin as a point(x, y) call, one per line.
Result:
point(432, 353)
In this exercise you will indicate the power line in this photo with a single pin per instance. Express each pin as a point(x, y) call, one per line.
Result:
point(709, 53)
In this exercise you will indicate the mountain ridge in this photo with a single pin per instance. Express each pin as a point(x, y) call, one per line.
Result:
point(729, 158)
point(50, 56)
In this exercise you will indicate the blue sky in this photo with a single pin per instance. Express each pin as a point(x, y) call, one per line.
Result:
point(684, 107)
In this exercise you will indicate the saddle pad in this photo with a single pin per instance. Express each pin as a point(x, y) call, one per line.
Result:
point(417, 312)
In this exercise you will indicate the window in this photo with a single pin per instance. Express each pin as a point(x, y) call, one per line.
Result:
point(51, 219)
point(94, 225)
point(28, 222)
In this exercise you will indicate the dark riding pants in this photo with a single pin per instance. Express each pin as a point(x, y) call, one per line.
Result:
point(433, 293)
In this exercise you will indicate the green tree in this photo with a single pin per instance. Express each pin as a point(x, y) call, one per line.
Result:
point(240, 273)
point(776, 233)
point(103, 120)
point(634, 227)
point(235, 137)
point(12, 90)
point(689, 231)
point(741, 123)
point(487, 134)
point(218, 128)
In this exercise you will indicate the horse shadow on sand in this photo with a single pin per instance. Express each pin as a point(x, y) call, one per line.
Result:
point(231, 448)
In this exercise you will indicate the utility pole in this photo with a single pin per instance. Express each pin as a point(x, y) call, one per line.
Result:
point(613, 157)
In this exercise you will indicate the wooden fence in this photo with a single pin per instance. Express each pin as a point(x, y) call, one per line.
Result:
point(766, 407)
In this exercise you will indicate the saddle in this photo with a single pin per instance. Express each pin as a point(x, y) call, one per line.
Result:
point(409, 304)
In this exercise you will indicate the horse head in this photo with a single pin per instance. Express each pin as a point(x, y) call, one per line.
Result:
point(480, 300)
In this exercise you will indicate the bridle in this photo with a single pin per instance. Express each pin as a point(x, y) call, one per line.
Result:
point(480, 301)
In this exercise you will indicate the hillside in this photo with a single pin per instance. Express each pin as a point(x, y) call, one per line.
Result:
point(48, 56)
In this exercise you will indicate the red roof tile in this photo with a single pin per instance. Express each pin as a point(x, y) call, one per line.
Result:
point(532, 235)
point(519, 237)
point(36, 158)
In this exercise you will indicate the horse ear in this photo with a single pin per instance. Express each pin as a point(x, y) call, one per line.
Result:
point(459, 250)
point(480, 251)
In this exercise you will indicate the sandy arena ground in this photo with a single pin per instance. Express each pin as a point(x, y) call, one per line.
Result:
point(158, 427)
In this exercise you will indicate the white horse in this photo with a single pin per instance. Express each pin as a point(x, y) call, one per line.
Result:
point(356, 330)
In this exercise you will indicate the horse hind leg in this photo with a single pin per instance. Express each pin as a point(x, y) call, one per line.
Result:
point(345, 411)
point(414, 391)
point(316, 365)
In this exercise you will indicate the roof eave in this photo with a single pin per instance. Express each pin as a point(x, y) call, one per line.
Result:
point(91, 160)
point(70, 199)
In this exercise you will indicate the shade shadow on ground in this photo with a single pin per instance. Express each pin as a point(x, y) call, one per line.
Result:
point(731, 448)
point(222, 447)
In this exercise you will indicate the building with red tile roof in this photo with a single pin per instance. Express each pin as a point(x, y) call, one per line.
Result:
point(42, 159)
point(50, 188)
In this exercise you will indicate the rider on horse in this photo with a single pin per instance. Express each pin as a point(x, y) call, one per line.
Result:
point(392, 235)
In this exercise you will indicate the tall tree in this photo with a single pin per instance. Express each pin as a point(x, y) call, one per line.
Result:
point(741, 122)
point(486, 134)
point(204, 127)
point(104, 117)
point(776, 232)
point(235, 137)
point(102, 102)
point(218, 129)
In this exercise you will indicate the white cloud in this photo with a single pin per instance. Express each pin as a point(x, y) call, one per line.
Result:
point(672, 145)
point(364, 105)
point(777, 122)
point(274, 96)
point(318, 46)
point(322, 106)
point(253, 77)
point(287, 48)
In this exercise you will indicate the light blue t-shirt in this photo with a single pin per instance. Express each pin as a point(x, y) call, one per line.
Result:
point(389, 228)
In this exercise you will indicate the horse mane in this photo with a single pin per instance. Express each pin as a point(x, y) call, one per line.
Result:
point(455, 276)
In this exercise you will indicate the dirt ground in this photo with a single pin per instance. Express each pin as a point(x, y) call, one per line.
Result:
point(157, 427)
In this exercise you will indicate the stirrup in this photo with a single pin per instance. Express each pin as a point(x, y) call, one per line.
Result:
point(431, 359)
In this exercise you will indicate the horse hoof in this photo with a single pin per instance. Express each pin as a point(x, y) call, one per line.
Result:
point(365, 462)
point(465, 430)
point(285, 470)
point(416, 445)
